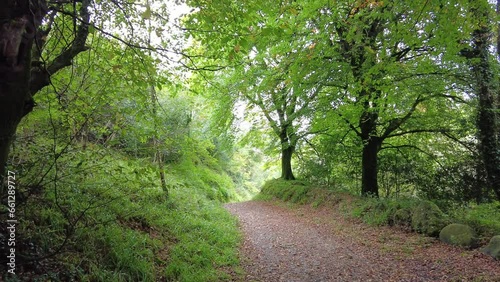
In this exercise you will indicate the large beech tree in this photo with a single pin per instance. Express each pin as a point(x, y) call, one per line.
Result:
point(286, 105)
point(391, 51)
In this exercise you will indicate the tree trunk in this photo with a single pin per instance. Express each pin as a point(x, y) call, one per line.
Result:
point(286, 163)
point(18, 23)
point(20, 80)
point(371, 147)
point(498, 30)
point(158, 155)
point(11, 112)
point(488, 143)
point(369, 163)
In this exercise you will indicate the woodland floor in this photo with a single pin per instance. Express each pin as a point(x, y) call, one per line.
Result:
point(321, 244)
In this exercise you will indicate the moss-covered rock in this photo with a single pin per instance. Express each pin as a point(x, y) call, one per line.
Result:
point(402, 217)
point(427, 218)
point(493, 248)
point(458, 235)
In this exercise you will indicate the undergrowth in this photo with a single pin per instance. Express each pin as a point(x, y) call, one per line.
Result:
point(106, 218)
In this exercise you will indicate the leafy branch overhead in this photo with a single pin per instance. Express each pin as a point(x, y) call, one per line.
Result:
point(40, 38)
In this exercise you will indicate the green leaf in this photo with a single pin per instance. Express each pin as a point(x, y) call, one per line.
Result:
point(147, 14)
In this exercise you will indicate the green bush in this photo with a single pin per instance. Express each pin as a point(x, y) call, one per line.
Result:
point(402, 218)
point(394, 212)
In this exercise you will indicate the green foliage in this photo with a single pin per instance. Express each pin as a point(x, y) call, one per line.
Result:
point(247, 171)
point(483, 218)
point(402, 217)
point(373, 211)
point(117, 225)
point(453, 183)
point(408, 213)
point(207, 240)
point(325, 80)
point(385, 211)
point(391, 71)
point(90, 192)
point(129, 253)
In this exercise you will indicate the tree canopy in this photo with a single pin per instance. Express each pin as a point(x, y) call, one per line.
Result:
point(383, 76)
point(386, 74)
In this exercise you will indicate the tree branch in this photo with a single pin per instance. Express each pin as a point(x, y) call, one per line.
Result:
point(398, 148)
point(430, 130)
point(40, 77)
point(470, 147)
point(394, 124)
point(350, 124)
point(312, 133)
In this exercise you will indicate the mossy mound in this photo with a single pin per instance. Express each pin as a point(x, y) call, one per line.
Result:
point(402, 217)
point(427, 218)
point(458, 235)
point(493, 248)
point(295, 191)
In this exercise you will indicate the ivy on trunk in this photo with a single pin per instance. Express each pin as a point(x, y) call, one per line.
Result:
point(486, 88)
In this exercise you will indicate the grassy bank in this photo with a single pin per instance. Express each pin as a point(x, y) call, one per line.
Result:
point(106, 218)
point(413, 214)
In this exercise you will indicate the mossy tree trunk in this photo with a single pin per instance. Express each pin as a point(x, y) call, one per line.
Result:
point(485, 85)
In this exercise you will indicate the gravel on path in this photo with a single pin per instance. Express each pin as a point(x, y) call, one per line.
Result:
point(307, 244)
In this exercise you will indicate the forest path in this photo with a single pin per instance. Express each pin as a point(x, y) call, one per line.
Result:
point(307, 244)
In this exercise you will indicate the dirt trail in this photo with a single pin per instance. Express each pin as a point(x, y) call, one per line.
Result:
point(316, 245)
